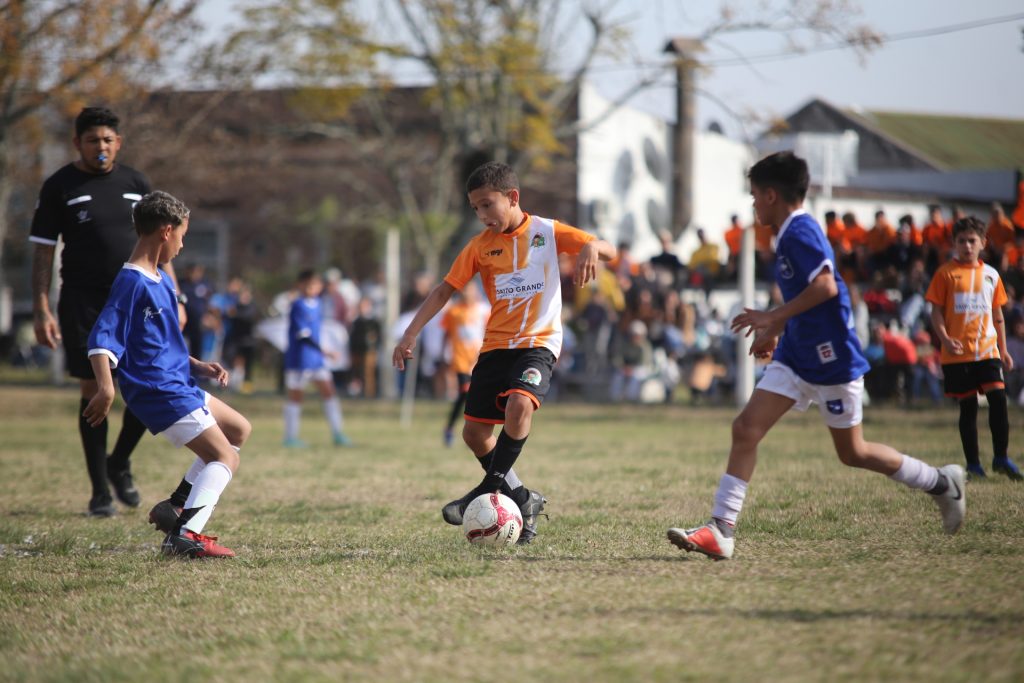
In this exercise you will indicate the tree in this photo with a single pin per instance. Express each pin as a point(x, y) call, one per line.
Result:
point(59, 54)
point(496, 88)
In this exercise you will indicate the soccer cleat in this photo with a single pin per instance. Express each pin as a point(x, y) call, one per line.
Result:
point(341, 440)
point(975, 471)
point(164, 516)
point(1007, 467)
point(102, 507)
point(124, 488)
point(294, 443)
point(953, 501)
point(531, 510)
point(453, 511)
point(706, 539)
point(191, 544)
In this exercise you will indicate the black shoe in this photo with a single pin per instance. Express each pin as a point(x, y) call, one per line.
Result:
point(180, 544)
point(1007, 467)
point(453, 511)
point(164, 516)
point(531, 510)
point(124, 488)
point(102, 507)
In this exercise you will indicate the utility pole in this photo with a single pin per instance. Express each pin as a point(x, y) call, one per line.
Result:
point(686, 64)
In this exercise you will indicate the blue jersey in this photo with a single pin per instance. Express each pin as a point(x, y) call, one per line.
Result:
point(820, 345)
point(138, 330)
point(304, 322)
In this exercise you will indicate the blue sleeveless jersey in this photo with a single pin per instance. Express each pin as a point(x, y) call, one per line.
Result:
point(820, 344)
point(304, 322)
point(138, 330)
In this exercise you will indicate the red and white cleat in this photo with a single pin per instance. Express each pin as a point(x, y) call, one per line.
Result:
point(705, 539)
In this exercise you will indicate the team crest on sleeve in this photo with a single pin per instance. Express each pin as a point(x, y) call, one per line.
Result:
point(835, 407)
point(785, 268)
point(531, 376)
point(537, 241)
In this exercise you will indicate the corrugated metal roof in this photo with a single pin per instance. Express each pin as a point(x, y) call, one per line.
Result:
point(957, 142)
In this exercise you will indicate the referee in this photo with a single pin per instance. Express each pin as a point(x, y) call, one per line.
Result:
point(88, 204)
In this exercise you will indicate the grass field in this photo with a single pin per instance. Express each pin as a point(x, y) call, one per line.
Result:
point(346, 571)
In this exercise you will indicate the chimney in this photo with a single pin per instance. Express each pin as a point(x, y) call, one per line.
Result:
point(685, 51)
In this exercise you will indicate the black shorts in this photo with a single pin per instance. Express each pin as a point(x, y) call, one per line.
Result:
point(77, 311)
point(961, 380)
point(502, 372)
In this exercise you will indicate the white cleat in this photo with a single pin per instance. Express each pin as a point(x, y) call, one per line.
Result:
point(953, 502)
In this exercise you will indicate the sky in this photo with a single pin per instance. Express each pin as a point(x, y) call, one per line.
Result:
point(972, 71)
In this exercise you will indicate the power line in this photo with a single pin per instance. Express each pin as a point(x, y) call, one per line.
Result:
point(897, 37)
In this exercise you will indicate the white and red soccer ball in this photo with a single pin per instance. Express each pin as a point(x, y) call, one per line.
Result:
point(492, 519)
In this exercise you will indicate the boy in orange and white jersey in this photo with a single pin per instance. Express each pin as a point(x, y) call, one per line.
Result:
point(967, 296)
point(517, 259)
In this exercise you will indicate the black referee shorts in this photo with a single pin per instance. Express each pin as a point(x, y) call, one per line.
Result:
point(502, 372)
point(77, 311)
point(960, 380)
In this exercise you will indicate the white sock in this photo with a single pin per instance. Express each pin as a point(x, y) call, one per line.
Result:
point(205, 493)
point(292, 413)
point(194, 470)
point(512, 480)
point(729, 498)
point(332, 411)
point(916, 474)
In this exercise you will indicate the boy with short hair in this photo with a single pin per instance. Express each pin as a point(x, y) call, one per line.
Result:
point(966, 296)
point(517, 258)
point(816, 357)
point(138, 333)
point(304, 362)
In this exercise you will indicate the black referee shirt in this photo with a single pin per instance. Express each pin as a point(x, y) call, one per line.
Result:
point(93, 214)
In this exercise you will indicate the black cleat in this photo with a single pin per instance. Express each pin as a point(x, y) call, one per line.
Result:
point(124, 488)
point(1007, 467)
point(453, 511)
point(164, 516)
point(102, 507)
point(531, 510)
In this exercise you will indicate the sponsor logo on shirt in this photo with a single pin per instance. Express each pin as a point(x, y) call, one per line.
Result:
point(148, 312)
point(531, 376)
point(494, 252)
point(969, 302)
point(518, 285)
point(826, 354)
point(785, 268)
point(835, 407)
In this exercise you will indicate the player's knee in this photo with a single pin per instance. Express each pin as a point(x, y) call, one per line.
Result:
point(745, 431)
point(238, 432)
point(518, 410)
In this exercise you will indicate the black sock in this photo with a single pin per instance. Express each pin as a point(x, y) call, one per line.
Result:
point(506, 452)
point(132, 430)
point(94, 445)
point(941, 486)
point(180, 494)
point(456, 409)
point(969, 429)
point(998, 423)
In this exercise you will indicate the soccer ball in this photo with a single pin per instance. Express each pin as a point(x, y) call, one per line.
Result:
point(492, 519)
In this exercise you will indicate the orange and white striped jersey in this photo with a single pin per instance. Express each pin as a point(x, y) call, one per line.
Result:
point(464, 324)
point(520, 276)
point(967, 295)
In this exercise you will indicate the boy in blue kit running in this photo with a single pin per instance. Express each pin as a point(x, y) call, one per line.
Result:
point(815, 358)
point(304, 362)
point(138, 333)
